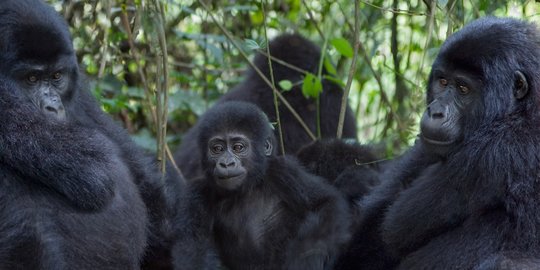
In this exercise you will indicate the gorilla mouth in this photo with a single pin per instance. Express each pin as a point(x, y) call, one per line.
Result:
point(231, 177)
point(437, 142)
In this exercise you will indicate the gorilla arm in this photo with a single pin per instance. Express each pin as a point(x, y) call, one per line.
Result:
point(76, 162)
point(325, 226)
point(447, 193)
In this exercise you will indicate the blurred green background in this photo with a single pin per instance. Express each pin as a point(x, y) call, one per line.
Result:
point(157, 65)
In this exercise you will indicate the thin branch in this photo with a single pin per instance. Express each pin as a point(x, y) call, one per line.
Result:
point(352, 70)
point(312, 19)
point(148, 94)
point(392, 10)
point(259, 72)
point(163, 83)
point(276, 103)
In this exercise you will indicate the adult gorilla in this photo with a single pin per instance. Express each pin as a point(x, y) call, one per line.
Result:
point(466, 195)
point(69, 174)
point(298, 52)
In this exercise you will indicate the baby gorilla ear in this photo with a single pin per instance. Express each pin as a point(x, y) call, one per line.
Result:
point(521, 87)
point(268, 147)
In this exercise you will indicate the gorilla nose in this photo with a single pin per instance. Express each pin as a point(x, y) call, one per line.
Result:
point(55, 110)
point(226, 163)
point(436, 111)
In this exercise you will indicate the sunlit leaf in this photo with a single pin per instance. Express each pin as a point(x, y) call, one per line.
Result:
point(312, 86)
point(329, 67)
point(251, 44)
point(285, 85)
point(342, 46)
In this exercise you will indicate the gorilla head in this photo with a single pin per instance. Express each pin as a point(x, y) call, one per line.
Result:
point(235, 148)
point(472, 83)
point(36, 52)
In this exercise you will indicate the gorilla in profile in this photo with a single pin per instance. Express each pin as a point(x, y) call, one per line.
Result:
point(466, 196)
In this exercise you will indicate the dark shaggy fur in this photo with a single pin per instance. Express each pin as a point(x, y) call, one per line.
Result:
point(76, 194)
point(476, 206)
point(281, 217)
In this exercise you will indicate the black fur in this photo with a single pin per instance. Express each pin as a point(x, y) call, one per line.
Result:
point(73, 192)
point(280, 218)
point(299, 52)
point(351, 167)
point(472, 206)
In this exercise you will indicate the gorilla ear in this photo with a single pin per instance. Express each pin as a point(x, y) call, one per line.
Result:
point(268, 147)
point(521, 87)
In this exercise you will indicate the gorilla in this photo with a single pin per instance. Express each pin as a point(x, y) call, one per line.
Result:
point(76, 192)
point(351, 167)
point(296, 51)
point(254, 209)
point(466, 195)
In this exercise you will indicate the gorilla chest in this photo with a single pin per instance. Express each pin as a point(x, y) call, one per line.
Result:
point(247, 223)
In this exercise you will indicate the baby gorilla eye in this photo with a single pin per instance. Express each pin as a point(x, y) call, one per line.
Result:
point(463, 89)
point(217, 148)
point(443, 81)
point(238, 147)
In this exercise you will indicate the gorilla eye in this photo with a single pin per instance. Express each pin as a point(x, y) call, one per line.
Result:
point(57, 75)
point(32, 79)
point(238, 147)
point(218, 148)
point(443, 82)
point(463, 90)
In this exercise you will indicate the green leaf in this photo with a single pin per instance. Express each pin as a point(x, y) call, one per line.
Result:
point(334, 80)
point(251, 44)
point(342, 46)
point(285, 85)
point(329, 67)
point(312, 86)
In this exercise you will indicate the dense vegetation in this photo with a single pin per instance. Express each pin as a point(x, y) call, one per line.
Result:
point(156, 65)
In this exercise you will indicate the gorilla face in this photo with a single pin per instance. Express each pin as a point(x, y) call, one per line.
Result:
point(40, 60)
point(452, 95)
point(232, 154)
point(229, 153)
point(44, 86)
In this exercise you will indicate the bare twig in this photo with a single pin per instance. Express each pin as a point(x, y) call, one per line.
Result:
point(148, 94)
point(352, 70)
point(392, 10)
point(162, 95)
point(276, 103)
point(312, 19)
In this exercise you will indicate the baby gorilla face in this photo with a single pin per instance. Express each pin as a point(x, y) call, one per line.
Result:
point(229, 153)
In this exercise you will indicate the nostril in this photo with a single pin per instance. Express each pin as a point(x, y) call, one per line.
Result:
point(437, 115)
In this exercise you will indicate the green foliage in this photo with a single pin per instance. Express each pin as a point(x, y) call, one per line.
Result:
point(285, 85)
point(118, 44)
point(311, 86)
point(342, 46)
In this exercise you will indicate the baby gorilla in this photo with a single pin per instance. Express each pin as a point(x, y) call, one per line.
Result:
point(258, 210)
